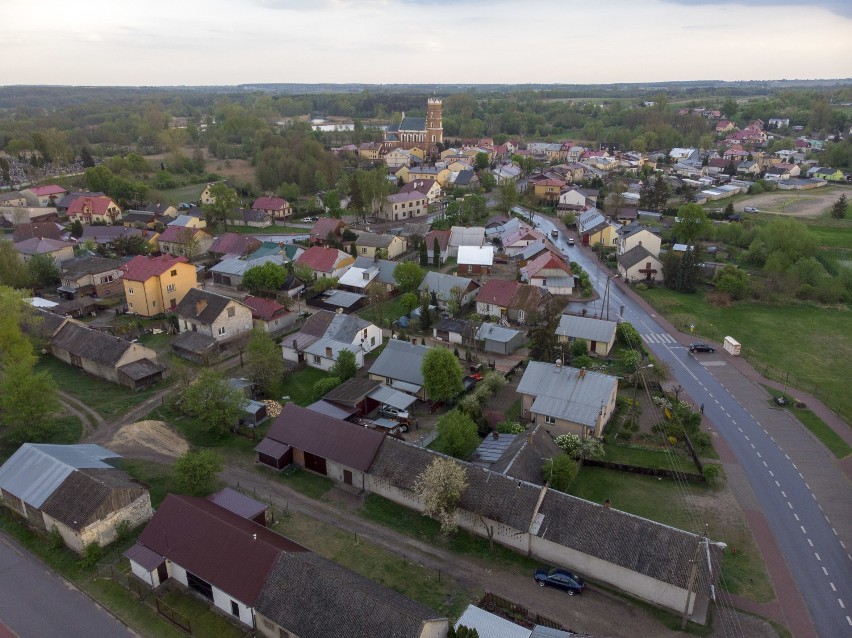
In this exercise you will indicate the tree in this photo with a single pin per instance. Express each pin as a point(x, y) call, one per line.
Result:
point(543, 340)
point(439, 488)
point(508, 195)
point(482, 161)
point(134, 245)
point(346, 366)
point(28, 402)
point(655, 195)
point(408, 276)
point(442, 375)
point(734, 281)
point(378, 295)
point(224, 203)
point(331, 203)
point(213, 401)
point(44, 271)
point(76, 229)
point(326, 283)
point(409, 301)
point(424, 255)
point(195, 472)
point(187, 239)
point(838, 210)
point(324, 386)
point(560, 472)
point(304, 273)
point(98, 178)
point(425, 313)
point(264, 363)
point(86, 158)
point(266, 277)
point(580, 448)
point(436, 253)
point(693, 222)
point(628, 336)
point(13, 272)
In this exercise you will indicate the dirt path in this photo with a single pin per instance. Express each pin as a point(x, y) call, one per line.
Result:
point(90, 419)
point(596, 612)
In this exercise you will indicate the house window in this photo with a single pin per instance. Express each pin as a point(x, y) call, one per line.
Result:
point(130, 291)
point(174, 273)
point(388, 381)
point(154, 304)
point(372, 341)
point(235, 608)
point(364, 250)
point(130, 304)
point(232, 311)
point(170, 288)
point(521, 316)
point(317, 359)
point(199, 585)
point(549, 420)
point(222, 330)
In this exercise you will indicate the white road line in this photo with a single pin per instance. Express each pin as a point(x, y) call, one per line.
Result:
point(794, 466)
point(826, 519)
point(817, 557)
point(810, 542)
point(842, 545)
point(771, 473)
point(834, 530)
point(802, 527)
point(833, 588)
point(796, 516)
point(840, 602)
point(783, 493)
point(740, 429)
point(759, 455)
point(849, 620)
point(746, 436)
point(789, 504)
point(764, 464)
point(777, 483)
point(711, 395)
point(734, 422)
point(825, 571)
point(787, 455)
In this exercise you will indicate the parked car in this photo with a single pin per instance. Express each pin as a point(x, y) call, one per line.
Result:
point(700, 346)
point(554, 233)
point(570, 241)
point(394, 413)
point(750, 209)
point(561, 578)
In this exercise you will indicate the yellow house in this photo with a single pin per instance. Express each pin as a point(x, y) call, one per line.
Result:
point(368, 243)
point(418, 152)
point(402, 174)
point(457, 165)
point(154, 285)
point(548, 190)
point(206, 198)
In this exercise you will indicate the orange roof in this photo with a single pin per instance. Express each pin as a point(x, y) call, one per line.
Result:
point(142, 268)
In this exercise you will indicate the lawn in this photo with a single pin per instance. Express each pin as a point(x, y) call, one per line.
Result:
point(197, 433)
point(307, 483)
point(805, 345)
point(106, 398)
point(830, 439)
point(831, 233)
point(159, 478)
point(408, 578)
point(662, 500)
point(410, 523)
point(391, 310)
point(203, 620)
point(648, 458)
point(299, 386)
point(189, 193)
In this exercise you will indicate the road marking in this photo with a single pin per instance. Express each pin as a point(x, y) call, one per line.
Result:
point(787, 455)
point(817, 556)
point(771, 473)
point(764, 464)
point(746, 437)
point(759, 455)
point(794, 466)
point(826, 519)
point(740, 429)
point(734, 422)
point(833, 588)
point(711, 395)
point(834, 530)
point(783, 493)
point(840, 602)
point(809, 542)
point(825, 571)
point(802, 527)
point(789, 504)
point(777, 483)
point(797, 517)
point(849, 620)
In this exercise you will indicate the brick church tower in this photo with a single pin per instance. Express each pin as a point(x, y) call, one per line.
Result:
point(434, 125)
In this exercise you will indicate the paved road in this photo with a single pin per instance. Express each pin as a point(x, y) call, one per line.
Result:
point(35, 602)
point(814, 553)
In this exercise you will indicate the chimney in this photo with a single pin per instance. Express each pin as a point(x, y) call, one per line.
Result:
point(295, 347)
point(495, 434)
point(558, 364)
point(328, 352)
point(200, 305)
point(607, 504)
point(582, 373)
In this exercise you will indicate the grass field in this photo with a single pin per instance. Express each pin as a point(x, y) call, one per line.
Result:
point(648, 458)
point(805, 345)
point(196, 431)
point(108, 399)
point(830, 439)
point(269, 230)
point(391, 311)
point(408, 578)
point(299, 386)
point(189, 193)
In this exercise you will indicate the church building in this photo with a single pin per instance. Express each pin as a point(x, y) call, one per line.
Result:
point(417, 132)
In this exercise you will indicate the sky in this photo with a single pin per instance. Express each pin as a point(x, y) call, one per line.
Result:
point(227, 42)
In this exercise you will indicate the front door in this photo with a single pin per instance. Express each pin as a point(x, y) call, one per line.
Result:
point(162, 573)
point(347, 477)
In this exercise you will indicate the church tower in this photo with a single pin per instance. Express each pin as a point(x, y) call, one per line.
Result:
point(434, 124)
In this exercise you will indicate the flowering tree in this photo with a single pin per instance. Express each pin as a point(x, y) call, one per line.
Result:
point(439, 487)
point(580, 448)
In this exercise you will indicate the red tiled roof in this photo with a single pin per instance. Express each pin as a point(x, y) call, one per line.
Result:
point(234, 244)
point(28, 230)
point(233, 553)
point(178, 233)
point(498, 292)
point(40, 246)
point(418, 185)
point(264, 309)
point(545, 260)
point(98, 205)
point(48, 189)
point(142, 268)
point(319, 258)
point(339, 441)
point(325, 225)
point(269, 203)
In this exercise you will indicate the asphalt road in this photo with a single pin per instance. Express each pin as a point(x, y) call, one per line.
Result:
point(820, 565)
point(36, 602)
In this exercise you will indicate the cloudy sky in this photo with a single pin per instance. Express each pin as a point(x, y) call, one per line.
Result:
point(203, 42)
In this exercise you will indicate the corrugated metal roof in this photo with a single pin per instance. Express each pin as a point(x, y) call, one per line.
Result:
point(330, 409)
point(238, 503)
point(35, 471)
point(342, 298)
point(563, 392)
point(401, 361)
point(491, 449)
point(586, 328)
point(389, 396)
point(496, 332)
point(490, 625)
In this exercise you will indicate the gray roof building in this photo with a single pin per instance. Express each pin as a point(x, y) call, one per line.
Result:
point(385, 267)
point(573, 327)
point(442, 284)
point(400, 361)
point(202, 306)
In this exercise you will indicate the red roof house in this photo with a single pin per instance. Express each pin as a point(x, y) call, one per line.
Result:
point(325, 262)
point(142, 268)
point(234, 244)
point(269, 315)
point(94, 209)
point(324, 227)
point(276, 207)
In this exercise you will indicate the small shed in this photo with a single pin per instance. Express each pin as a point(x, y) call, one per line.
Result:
point(254, 413)
point(499, 339)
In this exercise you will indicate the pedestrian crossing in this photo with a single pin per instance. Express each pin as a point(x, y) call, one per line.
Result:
point(658, 337)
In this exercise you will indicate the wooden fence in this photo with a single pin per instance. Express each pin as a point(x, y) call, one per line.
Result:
point(515, 612)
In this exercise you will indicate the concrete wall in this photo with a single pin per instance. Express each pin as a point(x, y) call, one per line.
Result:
point(150, 578)
point(335, 471)
point(639, 585)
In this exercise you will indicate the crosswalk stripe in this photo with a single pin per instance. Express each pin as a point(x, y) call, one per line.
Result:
point(660, 338)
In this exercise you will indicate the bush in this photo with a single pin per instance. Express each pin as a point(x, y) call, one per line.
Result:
point(701, 441)
point(122, 531)
point(492, 382)
point(579, 348)
point(92, 553)
point(583, 362)
point(510, 427)
point(324, 386)
point(711, 474)
point(54, 538)
point(560, 472)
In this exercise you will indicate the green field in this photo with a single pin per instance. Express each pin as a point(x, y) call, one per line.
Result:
point(269, 230)
point(805, 345)
point(107, 399)
point(831, 233)
point(188, 194)
point(648, 458)
point(299, 386)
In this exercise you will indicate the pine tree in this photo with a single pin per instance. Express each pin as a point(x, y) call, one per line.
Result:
point(838, 210)
point(424, 256)
point(436, 253)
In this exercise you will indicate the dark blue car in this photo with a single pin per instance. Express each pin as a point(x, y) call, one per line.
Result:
point(561, 578)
